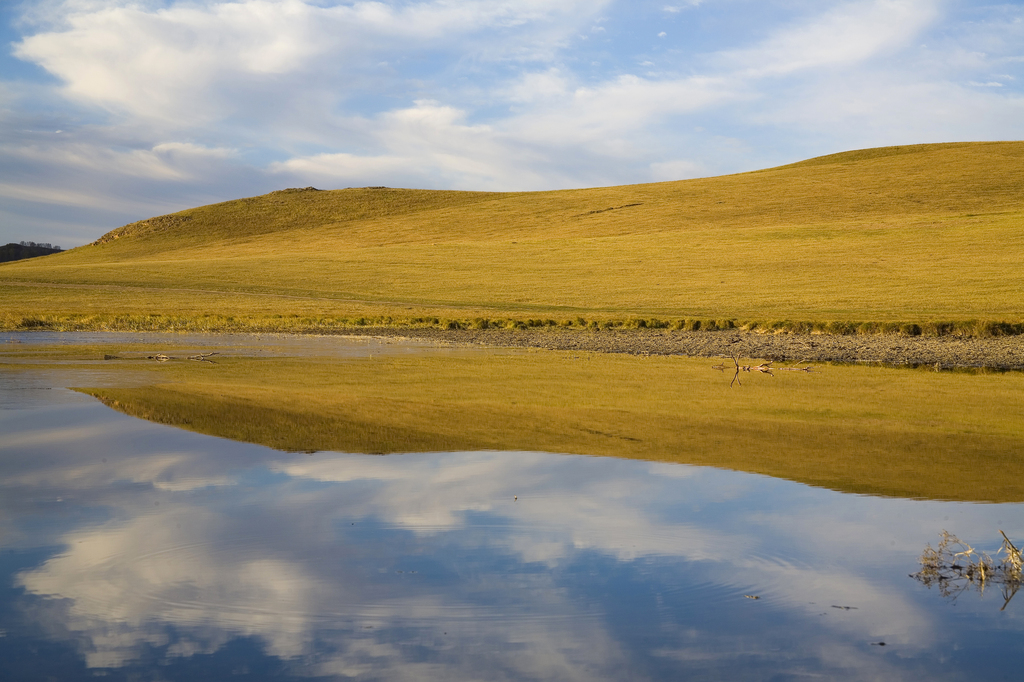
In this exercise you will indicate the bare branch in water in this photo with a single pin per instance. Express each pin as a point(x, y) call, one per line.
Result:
point(203, 357)
point(763, 368)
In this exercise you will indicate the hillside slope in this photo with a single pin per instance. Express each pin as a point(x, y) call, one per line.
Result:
point(914, 233)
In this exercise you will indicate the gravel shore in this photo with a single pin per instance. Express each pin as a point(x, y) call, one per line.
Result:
point(942, 352)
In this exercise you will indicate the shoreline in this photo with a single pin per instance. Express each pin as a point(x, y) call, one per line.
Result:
point(1002, 353)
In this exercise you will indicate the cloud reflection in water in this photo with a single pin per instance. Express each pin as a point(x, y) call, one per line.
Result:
point(427, 566)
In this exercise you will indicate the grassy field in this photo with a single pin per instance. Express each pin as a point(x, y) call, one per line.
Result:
point(922, 235)
point(872, 430)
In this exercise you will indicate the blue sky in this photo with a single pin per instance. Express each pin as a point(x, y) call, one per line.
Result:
point(117, 110)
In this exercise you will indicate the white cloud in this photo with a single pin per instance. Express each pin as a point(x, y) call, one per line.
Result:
point(676, 9)
point(428, 144)
point(193, 63)
point(850, 33)
point(537, 87)
point(343, 167)
point(878, 110)
point(57, 196)
point(165, 161)
point(677, 170)
point(86, 171)
point(601, 116)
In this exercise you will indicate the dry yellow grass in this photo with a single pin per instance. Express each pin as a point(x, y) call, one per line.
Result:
point(916, 234)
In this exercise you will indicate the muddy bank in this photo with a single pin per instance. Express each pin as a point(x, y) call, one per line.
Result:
point(945, 352)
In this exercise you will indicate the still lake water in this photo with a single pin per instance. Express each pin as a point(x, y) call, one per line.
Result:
point(134, 550)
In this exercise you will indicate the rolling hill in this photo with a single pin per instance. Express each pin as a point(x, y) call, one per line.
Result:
point(926, 235)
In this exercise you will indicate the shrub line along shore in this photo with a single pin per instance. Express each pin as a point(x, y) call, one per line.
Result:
point(305, 324)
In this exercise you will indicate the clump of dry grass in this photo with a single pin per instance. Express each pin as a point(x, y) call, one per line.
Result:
point(954, 567)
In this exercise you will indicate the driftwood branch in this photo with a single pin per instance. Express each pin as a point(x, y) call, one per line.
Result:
point(764, 368)
point(198, 357)
point(796, 368)
point(203, 357)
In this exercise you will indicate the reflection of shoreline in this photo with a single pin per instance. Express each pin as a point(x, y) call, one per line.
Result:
point(948, 352)
point(864, 430)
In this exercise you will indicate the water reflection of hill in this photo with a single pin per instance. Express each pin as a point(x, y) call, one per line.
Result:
point(855, 429)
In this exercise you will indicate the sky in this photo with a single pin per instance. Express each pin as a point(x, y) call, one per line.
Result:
point(113, 111)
